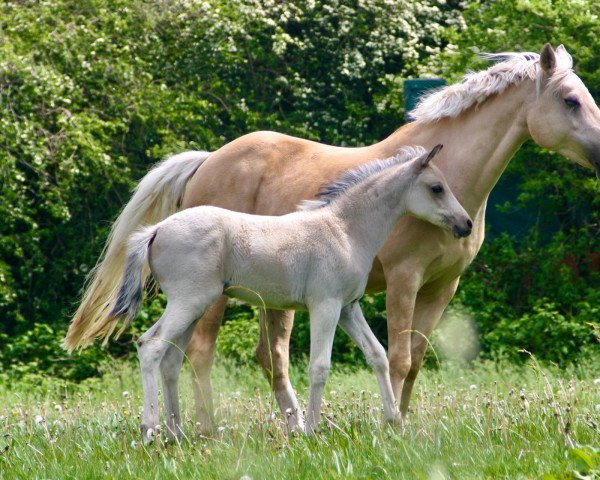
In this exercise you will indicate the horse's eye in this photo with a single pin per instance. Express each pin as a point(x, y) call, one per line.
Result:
point(437, 189)
point(572, 102)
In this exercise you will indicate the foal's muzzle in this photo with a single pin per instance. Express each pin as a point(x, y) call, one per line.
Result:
point(464, 230)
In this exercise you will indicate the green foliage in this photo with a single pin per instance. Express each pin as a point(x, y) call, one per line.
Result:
point(37, 353)
point(238, 335)
point(582, 462)
point(539, 298)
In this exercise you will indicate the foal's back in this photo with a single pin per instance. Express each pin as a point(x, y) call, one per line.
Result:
point(278, 262)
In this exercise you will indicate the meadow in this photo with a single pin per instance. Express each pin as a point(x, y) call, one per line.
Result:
point(486, 420)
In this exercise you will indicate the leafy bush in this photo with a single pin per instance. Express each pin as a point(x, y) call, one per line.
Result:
point(37, 353)
point(538, 298)
point(238, 335)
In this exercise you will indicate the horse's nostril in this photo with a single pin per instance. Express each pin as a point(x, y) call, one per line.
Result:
point(469, 224)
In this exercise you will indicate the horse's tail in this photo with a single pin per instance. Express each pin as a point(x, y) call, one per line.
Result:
point(132, 284)
point(157, 196)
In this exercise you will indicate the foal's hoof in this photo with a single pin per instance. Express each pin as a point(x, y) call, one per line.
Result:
point(174, 437)
point(295, 421)
point(148, 434)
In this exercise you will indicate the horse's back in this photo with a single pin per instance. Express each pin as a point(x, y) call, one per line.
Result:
point(269, 173)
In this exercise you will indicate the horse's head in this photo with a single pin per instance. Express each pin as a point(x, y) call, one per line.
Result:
point(431, 199)
point(564, 116)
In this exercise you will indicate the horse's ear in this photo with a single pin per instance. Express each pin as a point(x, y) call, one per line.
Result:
point(430, 155)
point(548, 59)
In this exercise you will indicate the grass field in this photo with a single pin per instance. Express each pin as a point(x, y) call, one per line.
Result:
point(484, 421)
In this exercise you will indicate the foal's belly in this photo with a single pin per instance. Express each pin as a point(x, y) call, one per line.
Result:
point(262, 299)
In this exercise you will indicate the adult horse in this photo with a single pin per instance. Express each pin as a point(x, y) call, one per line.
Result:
point(482, 121)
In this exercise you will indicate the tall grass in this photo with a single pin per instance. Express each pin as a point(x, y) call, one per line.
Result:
point(486, 421)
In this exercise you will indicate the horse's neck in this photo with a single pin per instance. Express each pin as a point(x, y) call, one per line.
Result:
point(478, 144)
point(370, 209)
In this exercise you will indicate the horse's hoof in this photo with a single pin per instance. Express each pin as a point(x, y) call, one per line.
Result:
point(205, 430)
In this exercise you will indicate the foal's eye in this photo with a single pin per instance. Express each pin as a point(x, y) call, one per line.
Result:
point(437, 189)
point(572, 102)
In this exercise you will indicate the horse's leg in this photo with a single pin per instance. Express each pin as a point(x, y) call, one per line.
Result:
point(354, 324)
point(400, 304)
point(200, 351)
point(429, 308)
point(170, 368)
point(272, 353)
point(324, 318)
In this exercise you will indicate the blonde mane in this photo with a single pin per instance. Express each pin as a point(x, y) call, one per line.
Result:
point(475, 87)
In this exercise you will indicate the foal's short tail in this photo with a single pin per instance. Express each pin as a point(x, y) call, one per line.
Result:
point(156, 197)
point(132, 284)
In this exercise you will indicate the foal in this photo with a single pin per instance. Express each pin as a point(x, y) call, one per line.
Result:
point(316, 259)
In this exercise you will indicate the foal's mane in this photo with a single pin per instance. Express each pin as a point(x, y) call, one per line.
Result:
point(475, 87)
point(358, 175)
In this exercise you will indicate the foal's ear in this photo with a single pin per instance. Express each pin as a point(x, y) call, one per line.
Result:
point(548, 59)
point(430, 155)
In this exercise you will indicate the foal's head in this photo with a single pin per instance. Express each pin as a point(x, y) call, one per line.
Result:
point(429, 197)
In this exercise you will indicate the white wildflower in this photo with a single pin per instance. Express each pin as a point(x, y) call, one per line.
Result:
point(126, 394)
point(39, 420)
point(58, 408)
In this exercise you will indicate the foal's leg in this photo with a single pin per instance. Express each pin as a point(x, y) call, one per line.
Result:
point(272, 353)
point(177, 319)
point(354, 324)
point(170, 368)
point(201, 351)
point(323, 320)
point(428, 311)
